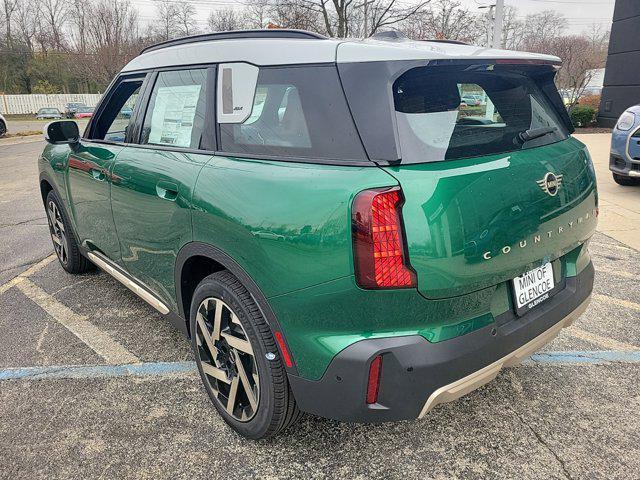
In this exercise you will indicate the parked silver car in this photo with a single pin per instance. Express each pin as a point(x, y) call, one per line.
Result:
point(52, 113)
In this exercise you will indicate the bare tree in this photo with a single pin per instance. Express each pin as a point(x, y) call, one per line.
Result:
point(166, 17)
point(112, 37)
point(26, 23)
point(445, 19)
point(579, 61)
point(297, 14)
point(53, 15)
point(8, 9)
point(257, 13)
point(225, 19)
point(79, 20)
point(540, 28)
point(185, 16)
point(385, 13)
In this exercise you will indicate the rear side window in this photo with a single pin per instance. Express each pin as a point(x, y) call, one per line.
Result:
point(176, 112)
point(297, 112)
point(447, 113)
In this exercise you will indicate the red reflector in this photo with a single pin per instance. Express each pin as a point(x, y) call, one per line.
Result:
point(283, 348)
point(378, 245)
point(374, 380)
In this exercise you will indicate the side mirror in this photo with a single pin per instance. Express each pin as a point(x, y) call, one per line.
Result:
point(62, 132)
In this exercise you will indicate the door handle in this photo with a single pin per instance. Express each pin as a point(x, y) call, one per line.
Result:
point(167, 190)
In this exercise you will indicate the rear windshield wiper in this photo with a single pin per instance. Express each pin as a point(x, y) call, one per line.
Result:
point(534, 133)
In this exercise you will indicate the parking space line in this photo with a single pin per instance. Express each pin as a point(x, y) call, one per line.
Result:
point(617, 302)
point(27, 273)
point(607, 245)
point(99, 341)
point(605, 342)
point(161, 369)
point(149, 369)
point(597, 357)
point(619, 273)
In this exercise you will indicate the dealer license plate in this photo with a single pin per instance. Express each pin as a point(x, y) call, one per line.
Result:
point(533, 287)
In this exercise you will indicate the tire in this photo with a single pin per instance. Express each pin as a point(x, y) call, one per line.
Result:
point(273, 407)
point(63, 237)
point(3, 129)
point(625, 181)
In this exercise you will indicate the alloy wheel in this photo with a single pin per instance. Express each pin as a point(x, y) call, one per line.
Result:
point(227, 359)
point(58, 235)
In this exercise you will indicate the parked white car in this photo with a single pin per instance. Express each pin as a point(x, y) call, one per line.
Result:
point(3, 126)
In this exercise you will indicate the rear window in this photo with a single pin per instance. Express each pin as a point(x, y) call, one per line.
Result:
point(445, 113)
point(297, 112)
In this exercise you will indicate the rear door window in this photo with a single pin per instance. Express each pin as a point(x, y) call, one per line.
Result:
point(447, 113)
point(297, 112)
point(176, 113)
point(115, 116)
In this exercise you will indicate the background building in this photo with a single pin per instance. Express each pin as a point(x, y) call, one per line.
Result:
point(622, 76)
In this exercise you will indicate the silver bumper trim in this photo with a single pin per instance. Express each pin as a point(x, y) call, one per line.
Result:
point(475, 380)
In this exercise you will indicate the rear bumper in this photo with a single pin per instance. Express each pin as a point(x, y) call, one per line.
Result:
point(417, 375)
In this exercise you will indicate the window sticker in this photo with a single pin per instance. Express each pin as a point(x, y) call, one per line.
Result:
point(173, 115)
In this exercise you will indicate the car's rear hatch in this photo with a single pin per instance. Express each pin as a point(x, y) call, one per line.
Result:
point(472, 224)
point(491, 190)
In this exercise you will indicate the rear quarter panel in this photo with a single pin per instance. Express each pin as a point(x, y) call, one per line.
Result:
point(287, 224)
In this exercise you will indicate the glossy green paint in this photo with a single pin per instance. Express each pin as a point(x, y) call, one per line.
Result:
point(474, 223)
point(321, 321)
point(287, 224)
point(89, 187)
point(151, 200)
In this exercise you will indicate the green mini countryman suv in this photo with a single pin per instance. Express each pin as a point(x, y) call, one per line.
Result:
point(334, 229)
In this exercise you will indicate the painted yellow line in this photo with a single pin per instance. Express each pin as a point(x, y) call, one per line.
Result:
point(619, 273)
point(607, 245)
point(99, 341)
point(617, 302)
point(27, 273)
point(604, 342)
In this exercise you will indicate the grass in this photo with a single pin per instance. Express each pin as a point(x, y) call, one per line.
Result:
point(26, 133)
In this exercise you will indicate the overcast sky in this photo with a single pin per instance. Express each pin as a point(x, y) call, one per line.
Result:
point(580, 14)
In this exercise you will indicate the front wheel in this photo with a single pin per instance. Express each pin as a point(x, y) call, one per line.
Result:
point(238, 359)
point(3, 128)
point(625, 181)
point(64, 241)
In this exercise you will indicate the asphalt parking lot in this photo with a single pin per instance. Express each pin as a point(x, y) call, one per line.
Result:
point(95, 384)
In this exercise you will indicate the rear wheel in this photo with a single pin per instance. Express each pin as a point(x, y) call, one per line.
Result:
point(238, 359)
point(3, 128)
point(625, 181)
point(64, 241)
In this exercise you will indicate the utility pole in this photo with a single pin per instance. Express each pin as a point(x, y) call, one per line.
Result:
point(496, 14)
point(497, 24)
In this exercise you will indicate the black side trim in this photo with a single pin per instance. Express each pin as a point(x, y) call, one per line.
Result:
point(194, 249)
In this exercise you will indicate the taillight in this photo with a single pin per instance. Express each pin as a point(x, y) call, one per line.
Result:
point(379, 252)
point(373, 385)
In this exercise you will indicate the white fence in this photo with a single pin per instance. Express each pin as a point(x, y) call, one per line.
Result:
point(25, 104)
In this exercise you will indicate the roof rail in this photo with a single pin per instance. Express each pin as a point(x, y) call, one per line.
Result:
point(236, 34)
point(444, 40)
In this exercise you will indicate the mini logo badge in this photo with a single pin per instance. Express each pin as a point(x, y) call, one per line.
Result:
point(550, 184)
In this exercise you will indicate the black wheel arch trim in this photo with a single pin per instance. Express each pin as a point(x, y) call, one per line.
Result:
point(47, 178)
point(199, 249)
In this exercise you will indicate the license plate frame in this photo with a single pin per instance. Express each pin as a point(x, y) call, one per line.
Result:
point(533, 287)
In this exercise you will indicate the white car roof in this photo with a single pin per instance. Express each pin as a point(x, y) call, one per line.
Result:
point(309, 48)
